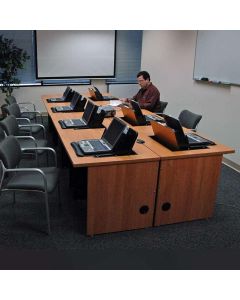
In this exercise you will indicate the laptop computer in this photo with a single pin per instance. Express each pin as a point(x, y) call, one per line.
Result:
point(83, 122)
point(133, 114)
point(97, 96)
point(172, 136)
point(74, 105)
point(108, 140)
point(66, 97)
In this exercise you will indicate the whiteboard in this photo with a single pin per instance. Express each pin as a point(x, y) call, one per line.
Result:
point(75, 53)
point(217, 56)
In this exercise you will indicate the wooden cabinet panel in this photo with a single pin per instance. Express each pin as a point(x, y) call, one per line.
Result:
point(121, 197)
point(187, 189)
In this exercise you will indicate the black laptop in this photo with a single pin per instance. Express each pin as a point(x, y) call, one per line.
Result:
point(133, 114)
point(108, 140)
point(83, 122)
point(172, 136)
point(77, 104)
point(66, 97)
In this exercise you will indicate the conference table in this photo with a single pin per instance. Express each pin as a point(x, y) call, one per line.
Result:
point(151, 187)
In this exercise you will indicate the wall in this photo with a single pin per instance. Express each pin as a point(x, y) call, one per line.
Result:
point(169, 57)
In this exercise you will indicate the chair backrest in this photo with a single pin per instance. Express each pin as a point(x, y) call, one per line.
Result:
point(10, 125)
point(2, 137)
point(160, 107)
point(163, 106)
point(12, 109)
point(2, 134)
point(10, 100)
point(10, 152)
point(189, 119)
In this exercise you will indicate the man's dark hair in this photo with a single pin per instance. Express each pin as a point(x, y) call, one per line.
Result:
point(144, 74)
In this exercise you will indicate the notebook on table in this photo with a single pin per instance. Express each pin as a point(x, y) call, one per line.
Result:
point(118, 139)
point(77, 104)
point(172, 136)
point(83, 122)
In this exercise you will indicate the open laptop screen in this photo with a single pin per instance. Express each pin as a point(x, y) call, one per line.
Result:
point(111, 135)
point(88, 111)
point(75, 98)
point(66, 92)
point(136, 107)
point(173, 123)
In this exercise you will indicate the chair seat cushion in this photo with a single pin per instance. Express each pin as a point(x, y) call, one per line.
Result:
point(34, 180)
point(28, 115)
point(35, 129)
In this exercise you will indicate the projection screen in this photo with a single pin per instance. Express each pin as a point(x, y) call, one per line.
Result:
point(75, 54)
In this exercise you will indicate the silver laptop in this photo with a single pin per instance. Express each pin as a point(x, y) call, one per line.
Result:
point(76, 97)
point(81, 122)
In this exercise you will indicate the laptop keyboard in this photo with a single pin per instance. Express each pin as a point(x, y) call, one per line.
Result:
point(153, 118)
point(62, 108)
point(193, 138)
point(57, 99)
point(71, 122)
point(97, 145)
point(68, 122)
point(109, 98)
point(59, 108)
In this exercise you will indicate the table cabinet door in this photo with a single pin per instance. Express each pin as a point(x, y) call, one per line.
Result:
point(187, 189)
point(121, 197)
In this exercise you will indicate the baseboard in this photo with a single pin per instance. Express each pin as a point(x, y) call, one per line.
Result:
point(231, 164)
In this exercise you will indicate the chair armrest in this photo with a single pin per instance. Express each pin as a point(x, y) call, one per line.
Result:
point(32, 112)
point(36, 170)
point(35, 125)
point(36, 112)
point(44, 148)
point(23, 119)
point(27, 137)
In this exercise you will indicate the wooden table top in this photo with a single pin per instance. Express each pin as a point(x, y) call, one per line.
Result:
point(67, 136)
point(150, 150)
point(146, 133)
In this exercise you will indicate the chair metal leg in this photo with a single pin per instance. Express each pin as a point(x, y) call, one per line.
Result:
point(37, 159)
point(59, 196)
point(47, 213)
point(47, 159)
point(14, 198)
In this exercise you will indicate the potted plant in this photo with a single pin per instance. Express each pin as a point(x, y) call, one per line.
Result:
point(12, 59)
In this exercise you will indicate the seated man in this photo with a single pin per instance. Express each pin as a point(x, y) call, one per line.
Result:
point(148, 96)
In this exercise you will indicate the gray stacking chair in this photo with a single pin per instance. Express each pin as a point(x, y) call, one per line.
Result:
point(28, 109)
point(163, 106)
point(2, 134)
point(189, 119)
point(11, 127)
point(14, 109)
point(14, 178)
